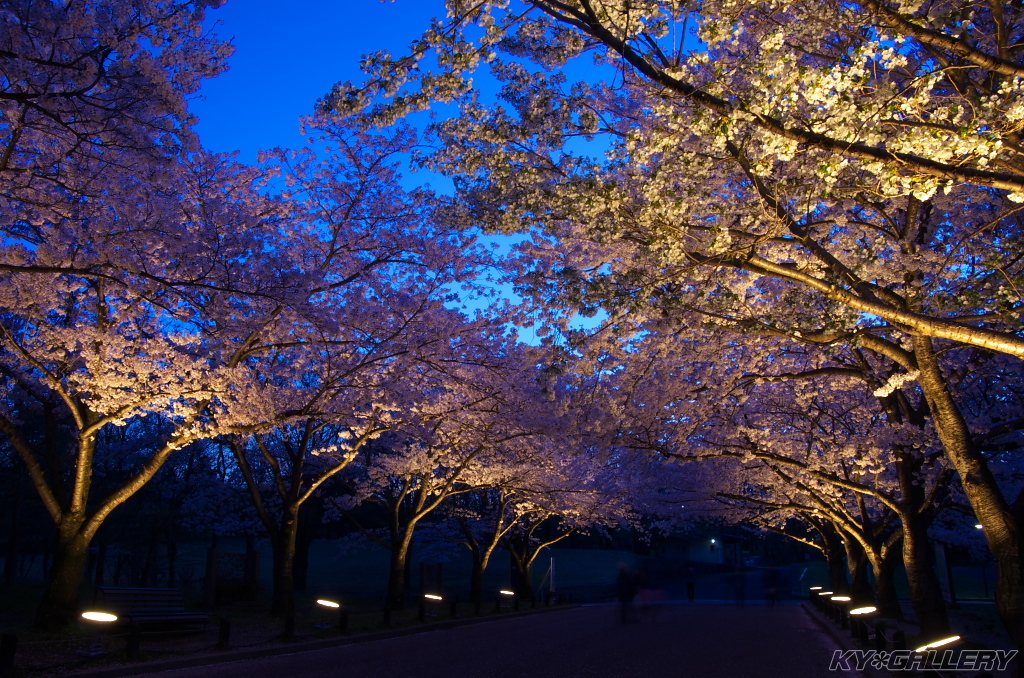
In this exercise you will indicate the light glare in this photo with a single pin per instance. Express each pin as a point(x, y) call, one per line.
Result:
point(864, 610)
point(327, 603)
point(99, 616)
point(938, 643)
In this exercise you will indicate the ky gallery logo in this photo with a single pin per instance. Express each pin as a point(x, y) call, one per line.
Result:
point(914, 660)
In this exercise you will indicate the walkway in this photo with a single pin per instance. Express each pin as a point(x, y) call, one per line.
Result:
point(674, 640)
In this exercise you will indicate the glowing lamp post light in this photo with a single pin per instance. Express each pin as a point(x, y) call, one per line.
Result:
point(937, 643)
point(859, 627)
point(507, 593)
point(96, 649)
point(333, 605)
point(423, 604)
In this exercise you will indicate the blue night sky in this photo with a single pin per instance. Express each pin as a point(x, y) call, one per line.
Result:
point(287, 55)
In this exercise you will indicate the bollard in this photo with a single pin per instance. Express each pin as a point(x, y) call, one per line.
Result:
point(515, 602)
point(855, 625)
point(455, 607)
point(880, 636)
point(899, 640)
point(423, 610)
point(844, 619)
point(134, 641)
point(863, 633)
point(478, 606)
point(289, 627)
point(387, 616)
point(497, 603)
point(8, 648)
point(343, 620)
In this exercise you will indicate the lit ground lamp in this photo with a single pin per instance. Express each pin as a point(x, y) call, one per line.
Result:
point(506, 593)
point(860, 616)
point(431, 598)
point(95, 649)
point(329, 605)
point(937, 643)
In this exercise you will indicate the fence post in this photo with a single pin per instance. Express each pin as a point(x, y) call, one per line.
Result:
point(863, 629)
point(880, 636)
point(223, 634)
point(899, 640)
point(8, 648)
point(134, 641)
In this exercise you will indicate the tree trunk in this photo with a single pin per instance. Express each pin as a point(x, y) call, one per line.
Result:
point(283, 600)
point(522, 575)
point(836, 565)
point(172, 560)
point(885, 588)
point(396, 579)
point(11, 555)
point(476, 579)
point(925, 592)
point(857, 560)
point(59, 605)
point(1002, 523)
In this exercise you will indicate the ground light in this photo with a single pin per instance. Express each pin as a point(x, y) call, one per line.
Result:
point(816, 588)
point(938, 643)
point(841, 599)
point(506, 592)
point(826, 593)
point(864, 610)
point(96, 649)
point(430, 596)
point(332, 605)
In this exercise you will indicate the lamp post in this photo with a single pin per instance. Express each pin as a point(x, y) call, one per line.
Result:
point(333, 605)
point(103, 618)
point(859, 621)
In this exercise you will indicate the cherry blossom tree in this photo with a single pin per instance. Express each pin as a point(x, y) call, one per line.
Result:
point(834, 173)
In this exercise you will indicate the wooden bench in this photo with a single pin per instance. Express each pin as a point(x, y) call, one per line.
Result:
point(152, 608)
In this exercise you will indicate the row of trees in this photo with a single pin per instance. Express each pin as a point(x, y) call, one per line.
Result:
point(159, 302)
point(796, 229)
point(829, 194)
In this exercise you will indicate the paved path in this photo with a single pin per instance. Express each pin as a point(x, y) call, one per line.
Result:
point(678, 640)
